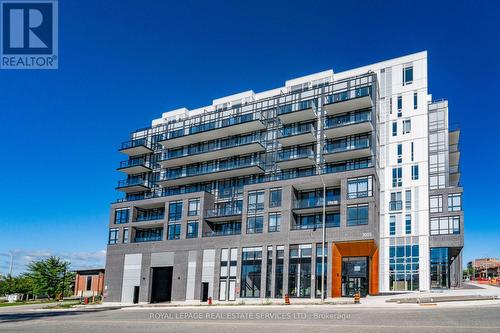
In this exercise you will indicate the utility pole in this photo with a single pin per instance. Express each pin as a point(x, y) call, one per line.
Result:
point(11, 263)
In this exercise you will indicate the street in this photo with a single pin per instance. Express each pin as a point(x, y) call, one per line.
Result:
point(291, 319)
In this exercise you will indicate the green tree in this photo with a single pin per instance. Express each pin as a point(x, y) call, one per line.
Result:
point(50, 276)
point(21, 284)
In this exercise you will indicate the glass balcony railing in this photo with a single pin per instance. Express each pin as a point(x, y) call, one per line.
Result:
point(216, 167)
point(133, 182)
point(224, 211)
point(316, 202)
point(348, 166)
point(135, 143)
point(349, 119)
point(227, 232)
point(338, 147)
point(148, 235)
point(133, 163)
point(296, 130)
point(211, 146)
point(318, 225)
point(348, 94)
point(149, 217)
point(295, 154)
point(297, 106)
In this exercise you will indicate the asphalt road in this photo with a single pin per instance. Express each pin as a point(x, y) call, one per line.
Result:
point(242, 319)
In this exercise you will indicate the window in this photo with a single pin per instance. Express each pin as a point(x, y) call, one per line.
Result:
point(394, 128)
point(125, 236)
point(269, 271)
point(412, 152)
point(454, 202)
point(274, 222)
point(396, 202)
point(121, 216)
point(392, 225)
point(390, 105)
point(357, 215)
point(400, 153)
point(415, 100)
point(359, 187)
point(414, 172)
point(174, 231)
point(403, 267)
point(408, 224)
point(397, 177)
point(192, 229)
point(408, 199)
point(319, 270)
point(113, 236)
point(315, 221)
point(445, 225)
point(255, 224)
point(194, 207)
point(256, 201)
point(251, 266)
point(275, 197)
point(400, 106)
point(407, 74)
point(278, 281)
point(406, 126)
point(436, 204)
point(175, 211)
point(148, 235)
point(88, 283)
point(300, 270)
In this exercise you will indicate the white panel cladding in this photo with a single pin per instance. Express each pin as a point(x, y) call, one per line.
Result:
point(191, 275)
point(208, 270)
point(162, 259)
point(131, 276)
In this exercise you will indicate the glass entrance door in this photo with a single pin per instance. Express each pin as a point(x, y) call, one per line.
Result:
point(354, 276)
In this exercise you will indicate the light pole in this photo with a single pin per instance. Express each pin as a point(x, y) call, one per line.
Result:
point(11, 263)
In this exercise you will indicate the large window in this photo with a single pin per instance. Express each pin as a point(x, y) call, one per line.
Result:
point(319, 270)
point(299, 271)
point(278, 279)
point(314, 221)
point(255, 201)
point(408, 224)
point(194, 207)
point(251, 267)
point(174, 231)
point(175, 211)
point(148, 235)
point(113, 236)
point(414, 172)
point(445, 225)
point(397, 177)
point(359, 187)
point(274, 222)
point(436, 204)
point(407, 74)
point(255, 224)
point(403, 267)
point(275, 197)
point(454, 202)
point(392, 225)
point(121, 215)
point(357, 215)
point(192, 229)
point(396, 202)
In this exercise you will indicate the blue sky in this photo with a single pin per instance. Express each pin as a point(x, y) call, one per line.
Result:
point(123, 63)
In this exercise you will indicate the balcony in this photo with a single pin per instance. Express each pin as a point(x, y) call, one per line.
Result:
point(352, 123)
point(223, 214)
point(216, 170)
point(223, 229)
point(132, 185)
point(296, 135)
point(213, 129)
point(296, 159)
point(148, 235)
point(454, 155)
point(347, 150)
point(348, 166)
point(348, 100)
point(208, 152)
point(315, 205)
point(135, 166)
point(136, 147)
point(454, 179)
point(395, 205)
point(296, 112)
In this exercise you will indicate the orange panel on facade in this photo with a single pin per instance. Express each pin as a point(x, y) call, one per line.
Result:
point(354, 249)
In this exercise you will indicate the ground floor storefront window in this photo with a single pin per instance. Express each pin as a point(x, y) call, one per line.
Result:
point(299, 271)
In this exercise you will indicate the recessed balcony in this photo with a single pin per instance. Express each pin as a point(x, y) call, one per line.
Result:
point(348, 100)
point(136, 147)
point(350, 150)
point(217, 170)
point(296, 135)
point(213, 129)
point(315, 205)
point(208, 152)
point(132, 185)
point(296, 159)
point(223, 214)
point(296, 112)
point(135, 166)
point(350, 124)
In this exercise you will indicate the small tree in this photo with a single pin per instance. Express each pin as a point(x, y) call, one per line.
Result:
point(50, 276)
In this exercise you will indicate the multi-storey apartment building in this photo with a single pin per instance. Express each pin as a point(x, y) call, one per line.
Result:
point(228, 201)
